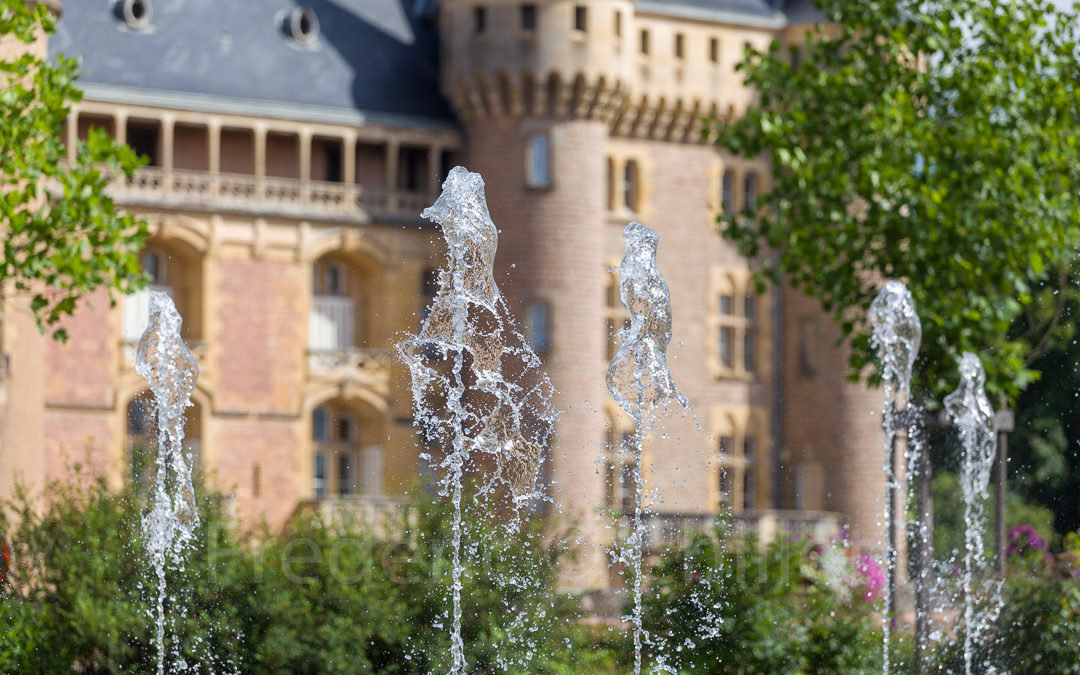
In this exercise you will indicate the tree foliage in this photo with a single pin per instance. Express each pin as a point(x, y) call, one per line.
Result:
point(62, 235)
point(934, 143)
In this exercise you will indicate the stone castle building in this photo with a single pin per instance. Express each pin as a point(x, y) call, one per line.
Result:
point(292, 146)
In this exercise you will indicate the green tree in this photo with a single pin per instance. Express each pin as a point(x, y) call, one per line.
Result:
point(62, 236)
point(938, 144)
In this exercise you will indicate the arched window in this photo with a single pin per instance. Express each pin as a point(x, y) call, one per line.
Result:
point(330, 278)
point(335, 319)
point(154, 265)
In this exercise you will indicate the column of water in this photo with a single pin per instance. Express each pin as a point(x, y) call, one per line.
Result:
point(169, 524)
point(638, 377)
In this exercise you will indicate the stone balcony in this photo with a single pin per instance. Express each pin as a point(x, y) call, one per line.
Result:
point(154, 187)
point(669, 530)
point(352, 368)
point(379, 514)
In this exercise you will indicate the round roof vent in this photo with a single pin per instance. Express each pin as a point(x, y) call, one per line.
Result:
point(302, 25)
point(136, 14)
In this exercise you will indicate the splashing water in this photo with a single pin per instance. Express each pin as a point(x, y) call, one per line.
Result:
point(638, 377)
point(970, 410)
point(896, 334)
point(171, 371)
point(478, 391)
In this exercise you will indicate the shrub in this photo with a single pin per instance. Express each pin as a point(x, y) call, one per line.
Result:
point(322, 598)
point(729, 605)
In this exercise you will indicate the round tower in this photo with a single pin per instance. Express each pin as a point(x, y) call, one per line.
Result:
point(537, 86)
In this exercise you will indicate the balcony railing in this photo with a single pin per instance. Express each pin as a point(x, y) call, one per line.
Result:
point(669, 530)
point(205, 191)
point(382, 515)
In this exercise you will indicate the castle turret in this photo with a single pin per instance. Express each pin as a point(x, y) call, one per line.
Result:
point(537, 86)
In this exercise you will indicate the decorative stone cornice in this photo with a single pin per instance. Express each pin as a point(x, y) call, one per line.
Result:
point(579, 98)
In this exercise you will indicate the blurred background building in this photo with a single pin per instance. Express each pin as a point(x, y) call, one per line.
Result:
point(292, 146)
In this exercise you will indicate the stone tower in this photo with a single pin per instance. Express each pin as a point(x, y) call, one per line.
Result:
point(530, 89)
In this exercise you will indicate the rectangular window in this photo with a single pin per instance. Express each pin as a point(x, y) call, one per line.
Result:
point(320, 474)
point(714, 50)
point(528, 17)
point(540, 327)
point(727, 196)
point(538, 162)
point(479, 19)
point(644, 42)
point(580, 17)
point(727, 304)
point(749, 483)
point(750, 192)
point(750, 350)
point(630, 186)
point(726, 347)
point(680, 45)
point(618, 24)
point(726, 478)
point(320, 426)
point(750, 307)
point(346, 477)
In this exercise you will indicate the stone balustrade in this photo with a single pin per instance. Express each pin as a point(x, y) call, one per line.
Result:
point(352, 367)
point(378, 514)
point(670, 530)
point(266, 195)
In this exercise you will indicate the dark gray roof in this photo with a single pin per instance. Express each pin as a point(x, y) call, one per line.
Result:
point(802, 12)
point(371, 55)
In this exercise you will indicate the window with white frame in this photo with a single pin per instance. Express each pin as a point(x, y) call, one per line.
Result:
point(341, 465)
point(735, 324)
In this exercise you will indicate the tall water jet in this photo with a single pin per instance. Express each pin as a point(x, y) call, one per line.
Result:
point(896, 334)
point(638, 378)
point(168, 367)
point(970, 410)
point(477, 388)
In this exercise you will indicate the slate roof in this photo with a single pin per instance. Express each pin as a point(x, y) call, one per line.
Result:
point(370, 55)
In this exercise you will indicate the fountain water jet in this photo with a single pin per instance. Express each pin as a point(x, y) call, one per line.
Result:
point(169, 525)
point(477, 387)
point(972, 413)
point(896, 334)
point(638, 378)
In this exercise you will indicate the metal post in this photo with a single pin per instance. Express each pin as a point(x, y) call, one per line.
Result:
point(1003, 424)
point(924, 513)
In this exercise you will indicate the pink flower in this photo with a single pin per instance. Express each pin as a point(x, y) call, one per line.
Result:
point(873, 577)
